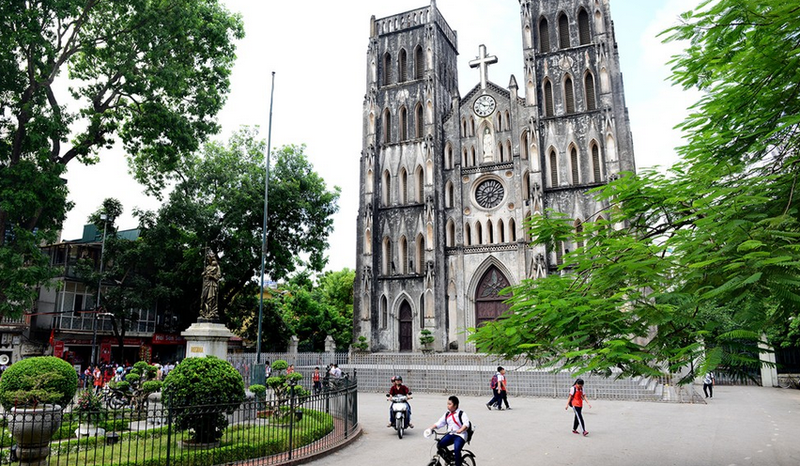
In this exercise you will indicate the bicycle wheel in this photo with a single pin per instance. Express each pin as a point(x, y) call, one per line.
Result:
point(116, 402)
point(785, 382)
point(467, 458)
point(399, 426)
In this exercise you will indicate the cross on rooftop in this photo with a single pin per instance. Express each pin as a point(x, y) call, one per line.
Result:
point(482, 62)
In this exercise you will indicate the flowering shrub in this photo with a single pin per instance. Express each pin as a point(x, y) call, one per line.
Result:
point(88, 406)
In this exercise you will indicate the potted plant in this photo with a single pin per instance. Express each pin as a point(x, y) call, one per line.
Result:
point(33, 391)
point(362, 345)
point(426, 340)
point(89, 408)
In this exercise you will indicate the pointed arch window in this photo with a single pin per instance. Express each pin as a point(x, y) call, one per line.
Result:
point(387, 126)
point(418, 121)
point(549, 109)
point(402, 187)
point(387, 69)
point(523, 146)
point(553, 169)
point(467, 235)
point(563, 31)
point(451, 234)
point(501, 231)
point(583, 27)
point(544, 36)
point(419, 184)
point(386, 188)
point(569, 96)
point(448, 195)
point(591, 99)
point(384, 312)
point(403, 124)
point(386, 255)
point(419, 63)
point(402, 253)
point(489, 232)
point(579, 233)
point(478, 233)
point(512, 230)
point(448, 157)
point(596, 163)
point(573, 159)
point(402, 67)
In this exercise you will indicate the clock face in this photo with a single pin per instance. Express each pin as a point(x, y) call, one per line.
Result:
point(484, 105)
point(489, 194)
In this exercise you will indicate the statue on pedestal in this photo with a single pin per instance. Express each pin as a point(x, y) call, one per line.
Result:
point(209, 299)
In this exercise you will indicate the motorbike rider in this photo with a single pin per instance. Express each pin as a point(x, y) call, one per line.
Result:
point(399, 389)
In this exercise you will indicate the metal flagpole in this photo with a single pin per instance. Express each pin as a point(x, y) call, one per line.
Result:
point(264, 235)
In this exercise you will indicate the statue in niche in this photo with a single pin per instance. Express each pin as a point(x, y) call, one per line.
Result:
point(209, 311)
point(488, 144)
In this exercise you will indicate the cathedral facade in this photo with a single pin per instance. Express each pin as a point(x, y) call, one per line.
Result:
point(447, 181)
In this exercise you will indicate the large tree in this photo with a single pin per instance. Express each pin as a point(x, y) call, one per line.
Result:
point(690, 269)
point(75, 77)
point(219, 205)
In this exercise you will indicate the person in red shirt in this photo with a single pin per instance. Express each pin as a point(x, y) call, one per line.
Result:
point(398, 388)
point(315, 379)
point(576, 399)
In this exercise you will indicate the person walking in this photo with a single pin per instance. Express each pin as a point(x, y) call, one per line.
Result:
point(317, 382)
point(493, 384)
point(708, 384)
point(457, 423)
point(502, 390)
point(575, 400)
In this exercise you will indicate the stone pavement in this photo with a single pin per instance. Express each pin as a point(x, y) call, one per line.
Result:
point(738, 426)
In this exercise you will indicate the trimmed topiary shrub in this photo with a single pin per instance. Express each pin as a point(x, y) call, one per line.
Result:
point(38, 380)
point(202, 391)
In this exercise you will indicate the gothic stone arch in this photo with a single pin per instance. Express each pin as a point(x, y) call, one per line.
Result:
point(489, 303)
point(406, 327)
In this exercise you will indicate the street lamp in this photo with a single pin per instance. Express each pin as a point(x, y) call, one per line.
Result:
point(104, 218)
point(264, 236)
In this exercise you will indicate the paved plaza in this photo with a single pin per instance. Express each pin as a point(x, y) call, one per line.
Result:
point(738, 426)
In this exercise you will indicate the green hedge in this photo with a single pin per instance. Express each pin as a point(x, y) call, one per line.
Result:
point(38, 376)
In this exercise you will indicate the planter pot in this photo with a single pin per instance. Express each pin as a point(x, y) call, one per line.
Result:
point(32, 430)
point(192, 445)
point(88, 430)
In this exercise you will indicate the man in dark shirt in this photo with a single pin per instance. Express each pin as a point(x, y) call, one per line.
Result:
point(399, 389)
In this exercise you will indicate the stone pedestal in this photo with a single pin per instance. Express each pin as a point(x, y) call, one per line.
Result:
point(207, 339)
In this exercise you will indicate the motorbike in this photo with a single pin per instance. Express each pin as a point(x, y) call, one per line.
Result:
point(399, 408)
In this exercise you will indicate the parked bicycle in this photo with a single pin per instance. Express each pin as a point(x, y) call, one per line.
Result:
point(114, 398)
point(445, 456)
point(789, 380)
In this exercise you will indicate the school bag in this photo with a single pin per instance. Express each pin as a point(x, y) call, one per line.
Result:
point(493, 383)
point(470, 428)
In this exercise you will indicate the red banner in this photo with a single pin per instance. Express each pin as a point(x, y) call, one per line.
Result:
point(58, 349)
point(105, 352)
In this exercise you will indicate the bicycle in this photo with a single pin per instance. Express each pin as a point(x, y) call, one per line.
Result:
point(113, 398)
point(446, 456)
point(789, 381)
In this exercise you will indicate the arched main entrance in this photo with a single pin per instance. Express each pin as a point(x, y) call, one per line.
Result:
point(488, 302)
point(406, 327)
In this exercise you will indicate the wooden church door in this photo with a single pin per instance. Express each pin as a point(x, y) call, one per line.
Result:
point(406, 327)
point(489, 303)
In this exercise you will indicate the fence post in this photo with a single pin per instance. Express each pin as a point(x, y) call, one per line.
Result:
point(292, 385)
point(169, 427)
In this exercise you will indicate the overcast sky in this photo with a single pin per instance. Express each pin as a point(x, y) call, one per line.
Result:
point(317, 49)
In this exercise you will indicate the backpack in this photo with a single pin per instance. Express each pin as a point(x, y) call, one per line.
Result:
point(470, 428)
point(493, 383)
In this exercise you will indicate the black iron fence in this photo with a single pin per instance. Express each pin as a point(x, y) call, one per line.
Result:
point(258, 432)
